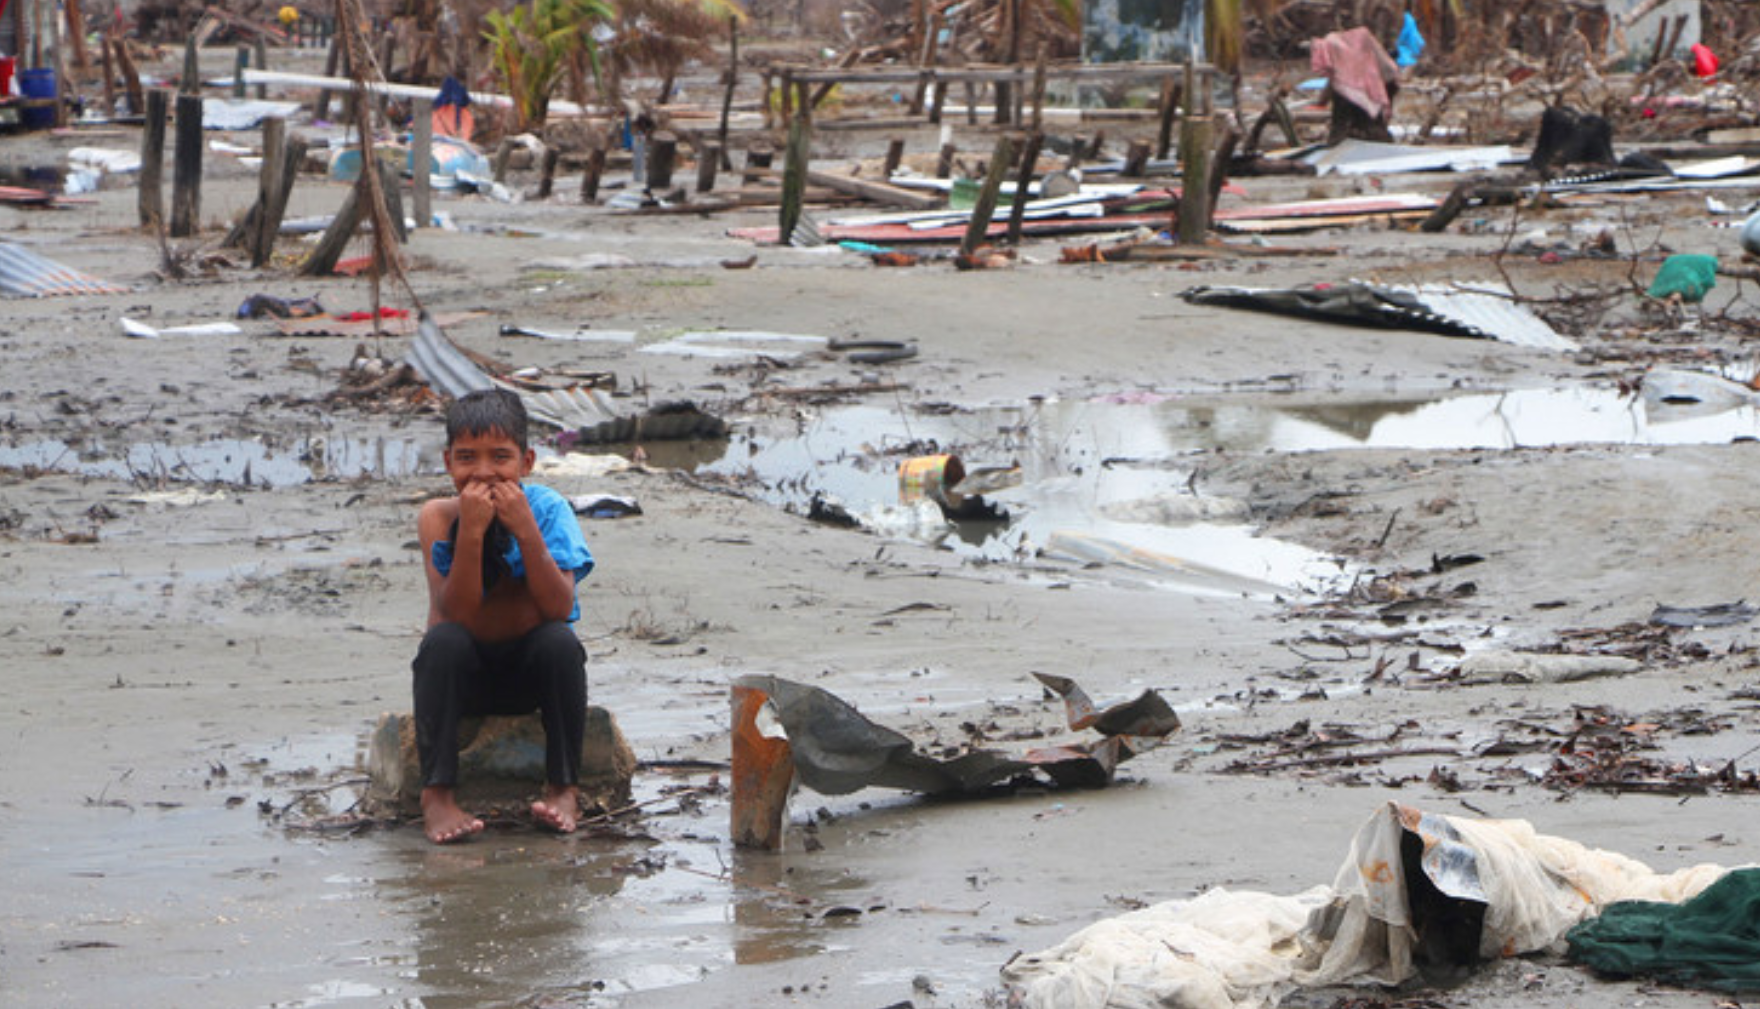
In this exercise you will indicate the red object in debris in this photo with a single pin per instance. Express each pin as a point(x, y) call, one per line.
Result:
point(1704, 60)
point(384, 313)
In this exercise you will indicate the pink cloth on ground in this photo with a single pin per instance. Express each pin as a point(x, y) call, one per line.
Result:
point(1358, 67)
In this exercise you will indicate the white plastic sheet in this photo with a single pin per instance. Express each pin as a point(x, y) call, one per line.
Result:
point(1242, 950)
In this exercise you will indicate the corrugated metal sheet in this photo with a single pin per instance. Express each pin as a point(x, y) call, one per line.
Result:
point(442, 365)
point(1492, 310)
point(24, 273)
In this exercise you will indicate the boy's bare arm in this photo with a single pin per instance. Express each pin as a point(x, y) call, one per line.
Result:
point(552, 588)
point(457, 596)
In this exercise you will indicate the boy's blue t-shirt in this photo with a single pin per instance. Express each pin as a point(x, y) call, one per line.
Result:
point(562, 536)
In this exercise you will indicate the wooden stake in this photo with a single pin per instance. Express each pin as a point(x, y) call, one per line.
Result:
point(762, 772)
point(894, 155)
point(794, 168)
point(663, 157)
point(268, 180)
point(321, 104)
point(547, 173)
point(726, 100)
point(109, 72)
point(1194, 158)
point(241, 58)
point(708, 163)
point(262, 64)
point(595, 169)
point(192, 69)
point(294, 152)
point(76, 27)
point(979, 228)
point(186, 168)
point(1029, 166)
point(1136, 160)
point(152, 181)
point(421, 161)
point(336, 237)
point(1171, 95)
point(131, 78)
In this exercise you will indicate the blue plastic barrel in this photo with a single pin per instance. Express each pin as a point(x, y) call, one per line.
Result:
point(37, 83)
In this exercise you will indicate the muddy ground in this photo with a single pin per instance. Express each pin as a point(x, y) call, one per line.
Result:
point(195, 649)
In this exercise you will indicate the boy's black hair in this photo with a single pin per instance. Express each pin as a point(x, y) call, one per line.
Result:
point(487, 410)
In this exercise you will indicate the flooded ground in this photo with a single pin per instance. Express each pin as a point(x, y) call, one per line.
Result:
point(209, 592)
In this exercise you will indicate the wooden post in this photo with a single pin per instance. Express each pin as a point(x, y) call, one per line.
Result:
point(76, 29)
point(1039, 68)
point(391, 184)
point(762, 770)
point(329, 248)
point(421, 161)
point(944, 161)
point(726, 100)
point(938, 102)
point(1194, 157)
point(192, 69)
point(758, 156)
point(894, 155)
point(241, 58)
point(503, 154)
point(1136, 160)
point(109, 71)
point(131, 78)
point(1171, 95)
point(186, 168)
point(262, 64)
point(547, 176)
point(294, 152)
point(321, 104)
point(595, 169)
point(152, 181)
point(931, 43)
point(1222, 154)
point(794, 168)
point(971, 103)
point(1029, 166)
point(663, 157)
point(708, 163)
point(1000, 161)
point(268, 180)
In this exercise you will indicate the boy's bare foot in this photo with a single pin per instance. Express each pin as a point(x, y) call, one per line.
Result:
point(559, 808)
point(442, 818)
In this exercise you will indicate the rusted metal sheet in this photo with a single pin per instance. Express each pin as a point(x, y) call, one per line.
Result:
point(444, 366)
point(24, 273)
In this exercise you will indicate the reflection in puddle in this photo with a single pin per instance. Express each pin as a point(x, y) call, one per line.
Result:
point(231, 461)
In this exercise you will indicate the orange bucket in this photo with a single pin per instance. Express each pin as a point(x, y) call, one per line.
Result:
point(932, 478)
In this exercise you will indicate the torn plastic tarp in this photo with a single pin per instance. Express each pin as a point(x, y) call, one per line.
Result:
point(1415, 888)
point(1481, 311)
point(837, 750)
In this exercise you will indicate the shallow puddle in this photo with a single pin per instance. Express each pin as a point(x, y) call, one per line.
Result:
point(231, 461)
point(1110, 481)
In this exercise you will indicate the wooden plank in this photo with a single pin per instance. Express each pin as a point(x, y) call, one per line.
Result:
point(879, 192)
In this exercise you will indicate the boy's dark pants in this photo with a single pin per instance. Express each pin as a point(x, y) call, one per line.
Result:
point(456, 675)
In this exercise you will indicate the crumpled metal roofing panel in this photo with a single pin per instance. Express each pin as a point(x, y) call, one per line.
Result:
point(24, 273)
point(1491, 309)
point(443, 365)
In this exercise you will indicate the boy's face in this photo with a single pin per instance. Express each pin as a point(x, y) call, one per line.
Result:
point(489, 457)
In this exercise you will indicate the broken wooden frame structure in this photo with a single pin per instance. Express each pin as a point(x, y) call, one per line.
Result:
point(930, 85)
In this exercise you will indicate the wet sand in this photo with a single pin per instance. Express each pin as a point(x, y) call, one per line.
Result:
point(193, 663)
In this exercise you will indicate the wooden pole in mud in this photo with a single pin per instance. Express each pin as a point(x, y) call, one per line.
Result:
point(894, 155)
point(727, 96)
point(152, 182)
point(708, 164)
point(1029, 163)
point(979, 228)
point(547, 174)
point(595, 169)
point(663, 158)
point(421, 161)
point(293, 152)
point(191, 84)
point(186, 168)
point(762, 770)
point(131, 78)
point(794, 168)
point(268, 178)
point(1194, 159)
